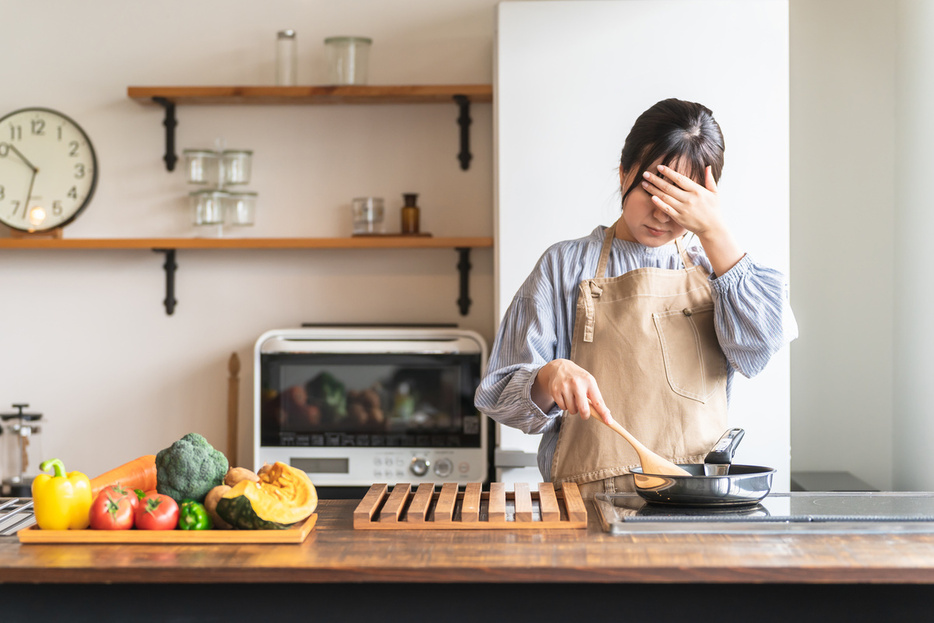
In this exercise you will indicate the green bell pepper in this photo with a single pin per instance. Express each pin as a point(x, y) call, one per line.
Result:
point(193, 516)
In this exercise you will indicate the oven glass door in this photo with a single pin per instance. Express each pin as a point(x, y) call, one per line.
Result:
point(400, 400)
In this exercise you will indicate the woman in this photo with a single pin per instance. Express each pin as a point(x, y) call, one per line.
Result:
point(632, 324)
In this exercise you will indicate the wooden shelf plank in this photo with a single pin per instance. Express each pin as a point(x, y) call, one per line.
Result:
point(363, 242)
point(404, 94)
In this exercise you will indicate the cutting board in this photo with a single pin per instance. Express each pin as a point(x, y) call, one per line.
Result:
point(470, 508)
point(298, 534)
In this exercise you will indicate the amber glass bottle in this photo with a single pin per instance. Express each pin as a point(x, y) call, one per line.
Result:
point(410, 213)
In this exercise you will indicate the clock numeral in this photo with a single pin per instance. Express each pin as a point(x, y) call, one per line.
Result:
point(2, 193)
point(16, 132)
point(73, 151)
point(57, 208)
point(15, 205)
point(73, 193)
point(59, 132)
point(4, 149)
point(38, 127)
point(79, 171)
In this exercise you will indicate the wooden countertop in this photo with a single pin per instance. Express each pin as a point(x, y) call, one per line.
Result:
point(336, 553)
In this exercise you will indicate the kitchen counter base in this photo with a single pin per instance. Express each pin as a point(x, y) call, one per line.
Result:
point(465, 603)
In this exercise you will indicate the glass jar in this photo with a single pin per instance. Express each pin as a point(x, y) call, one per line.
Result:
point(286, 58)
point(237, 166)
point(241, 208)
point(207, 207)
point(367, 215)
point(348, 59)
point(410, 213)
point(201, 165)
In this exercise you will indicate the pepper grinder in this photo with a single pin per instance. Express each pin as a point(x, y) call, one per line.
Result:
point(410, 213)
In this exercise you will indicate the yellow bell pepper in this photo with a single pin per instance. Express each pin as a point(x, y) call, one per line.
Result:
point(61, 501)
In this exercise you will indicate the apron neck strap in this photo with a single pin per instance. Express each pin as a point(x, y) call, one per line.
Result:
point(683, 252)
point(605, 251)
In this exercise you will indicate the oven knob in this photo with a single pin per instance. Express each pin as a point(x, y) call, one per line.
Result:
point(419, 466)
point(443, 468)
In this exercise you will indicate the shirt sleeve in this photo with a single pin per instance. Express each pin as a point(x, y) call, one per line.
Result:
point(752, 315)
point(526, 341)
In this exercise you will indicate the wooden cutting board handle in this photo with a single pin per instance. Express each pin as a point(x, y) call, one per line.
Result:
point(233, 403)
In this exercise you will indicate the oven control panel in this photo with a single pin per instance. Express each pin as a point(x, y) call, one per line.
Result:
point(363, 467)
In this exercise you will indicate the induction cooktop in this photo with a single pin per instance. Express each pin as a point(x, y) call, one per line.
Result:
point(797, 512)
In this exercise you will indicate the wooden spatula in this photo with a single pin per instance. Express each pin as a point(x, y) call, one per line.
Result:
point(651, 462)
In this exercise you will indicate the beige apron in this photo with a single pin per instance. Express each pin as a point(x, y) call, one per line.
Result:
point(648, 338)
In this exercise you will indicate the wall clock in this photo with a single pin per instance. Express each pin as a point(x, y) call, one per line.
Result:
point(48, 170)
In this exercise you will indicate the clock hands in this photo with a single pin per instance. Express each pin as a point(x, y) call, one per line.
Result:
point(24, 159)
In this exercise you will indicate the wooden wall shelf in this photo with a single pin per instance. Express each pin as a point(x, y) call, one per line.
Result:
point(362, 242)
point(305, 95)
point(170, 96)
point(168, 247)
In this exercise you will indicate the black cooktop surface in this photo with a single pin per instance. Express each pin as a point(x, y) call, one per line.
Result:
point(796, 511)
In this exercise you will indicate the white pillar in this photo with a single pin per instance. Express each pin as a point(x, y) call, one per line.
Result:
point(913, 421)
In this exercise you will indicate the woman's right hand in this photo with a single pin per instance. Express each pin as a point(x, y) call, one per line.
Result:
point(573, 389)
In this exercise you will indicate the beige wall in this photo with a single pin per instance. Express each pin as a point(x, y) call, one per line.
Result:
point(86, 340)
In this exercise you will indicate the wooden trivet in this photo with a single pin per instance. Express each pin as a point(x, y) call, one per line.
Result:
point(470, 508)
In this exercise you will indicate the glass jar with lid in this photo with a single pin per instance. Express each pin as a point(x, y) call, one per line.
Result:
point(207, 206)
point(240, 208)
point(237, 165)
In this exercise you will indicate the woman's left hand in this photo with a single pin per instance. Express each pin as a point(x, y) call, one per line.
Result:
point(694, 207)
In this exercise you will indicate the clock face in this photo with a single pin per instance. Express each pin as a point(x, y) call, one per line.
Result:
point(48, 169)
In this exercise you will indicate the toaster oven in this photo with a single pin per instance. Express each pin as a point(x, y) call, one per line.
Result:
point(352, 406)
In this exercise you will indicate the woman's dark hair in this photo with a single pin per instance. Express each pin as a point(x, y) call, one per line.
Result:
point(676, 132)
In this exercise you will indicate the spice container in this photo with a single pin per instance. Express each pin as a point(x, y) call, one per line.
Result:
point(348, 59)
point(286, 58)
point(410, 214)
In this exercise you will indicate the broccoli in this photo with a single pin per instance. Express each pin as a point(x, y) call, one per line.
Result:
point(189, 468)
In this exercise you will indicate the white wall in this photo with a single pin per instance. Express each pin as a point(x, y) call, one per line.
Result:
point(913, 424)
point(559, 180)
point(86, 340)
point(843, 166)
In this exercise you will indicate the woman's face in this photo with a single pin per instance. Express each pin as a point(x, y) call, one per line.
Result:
point(643, 221)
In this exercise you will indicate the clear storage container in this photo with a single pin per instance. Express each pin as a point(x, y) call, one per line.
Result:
point(348, 59)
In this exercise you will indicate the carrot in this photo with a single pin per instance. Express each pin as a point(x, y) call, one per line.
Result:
point(137, 474)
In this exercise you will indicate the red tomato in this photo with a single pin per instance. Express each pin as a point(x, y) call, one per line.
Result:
point(111, 511)
point(157, 512)
point(118, 491)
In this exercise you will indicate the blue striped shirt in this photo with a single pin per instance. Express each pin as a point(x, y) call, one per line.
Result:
point(751, 313)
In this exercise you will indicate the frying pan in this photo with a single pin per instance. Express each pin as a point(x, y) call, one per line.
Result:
point(716, 482)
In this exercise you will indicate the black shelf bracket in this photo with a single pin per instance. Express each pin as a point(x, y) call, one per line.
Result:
point(170, 267)
point(463, 267)
point(169, 123)
point(463, 120)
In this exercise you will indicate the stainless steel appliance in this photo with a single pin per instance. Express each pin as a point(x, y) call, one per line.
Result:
point(795, 512)
point(22, 450)
point(353, 406)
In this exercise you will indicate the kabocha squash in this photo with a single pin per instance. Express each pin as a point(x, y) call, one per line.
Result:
point(283, 497)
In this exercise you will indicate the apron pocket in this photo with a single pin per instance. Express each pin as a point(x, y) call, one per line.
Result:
point(694, 364)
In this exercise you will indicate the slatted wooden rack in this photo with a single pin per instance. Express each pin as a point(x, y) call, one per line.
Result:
point(470, 508)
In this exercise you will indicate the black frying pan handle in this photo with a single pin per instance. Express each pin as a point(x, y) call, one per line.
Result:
point(722, 452)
